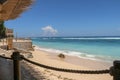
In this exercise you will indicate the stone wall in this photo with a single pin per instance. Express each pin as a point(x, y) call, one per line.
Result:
point(23, 44)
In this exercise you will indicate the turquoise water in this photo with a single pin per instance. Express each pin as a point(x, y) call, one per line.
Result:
point(97, 48)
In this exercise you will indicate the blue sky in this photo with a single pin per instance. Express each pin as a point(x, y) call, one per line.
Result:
point(69, 18)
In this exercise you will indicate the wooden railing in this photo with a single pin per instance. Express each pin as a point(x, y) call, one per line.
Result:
point(16, 57)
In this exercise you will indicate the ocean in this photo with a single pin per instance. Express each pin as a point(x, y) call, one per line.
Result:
point(95, 48)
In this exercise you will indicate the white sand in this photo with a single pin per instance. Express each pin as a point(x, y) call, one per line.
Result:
point(69, 63)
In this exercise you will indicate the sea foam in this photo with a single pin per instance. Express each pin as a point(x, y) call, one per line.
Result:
point(74, 53)
point(116, 38)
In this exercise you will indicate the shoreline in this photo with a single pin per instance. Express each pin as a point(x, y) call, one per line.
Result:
point(78, 61)
point(75, 59)
point(70, 62)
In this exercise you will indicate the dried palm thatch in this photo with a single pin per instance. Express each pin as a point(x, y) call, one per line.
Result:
point(11, 9)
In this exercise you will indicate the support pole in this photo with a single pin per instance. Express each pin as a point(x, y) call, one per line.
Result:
point(16, 65)
point(115, 70)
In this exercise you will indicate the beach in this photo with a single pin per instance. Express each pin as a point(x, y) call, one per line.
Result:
point(30, 71)
point(59, 40)
point(70, 62)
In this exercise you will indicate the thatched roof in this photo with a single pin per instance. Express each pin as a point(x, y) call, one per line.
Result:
point(11, 9)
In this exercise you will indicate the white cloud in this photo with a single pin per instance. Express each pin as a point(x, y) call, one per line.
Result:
point(49, 31)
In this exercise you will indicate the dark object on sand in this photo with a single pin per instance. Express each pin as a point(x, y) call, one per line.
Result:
point(61, 56)
point(29, 55)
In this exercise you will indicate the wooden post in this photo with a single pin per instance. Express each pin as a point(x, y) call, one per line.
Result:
point(16, 65)
point(116, 71)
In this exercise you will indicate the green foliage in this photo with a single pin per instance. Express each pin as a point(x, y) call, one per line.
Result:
point(2, 30)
